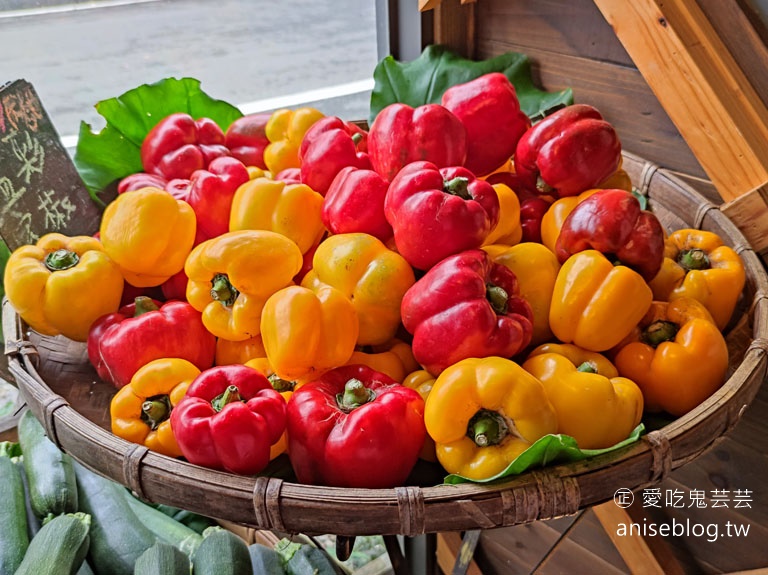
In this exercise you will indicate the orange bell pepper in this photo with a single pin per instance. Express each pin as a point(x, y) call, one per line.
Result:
point(422, 381)
point(553, 219)
point(507, 230)
point(229, 352)
point(394, 359)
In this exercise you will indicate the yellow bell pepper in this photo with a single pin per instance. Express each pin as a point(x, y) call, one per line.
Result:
point(62, 284)
point(141, 410)
point(594, 405)
point(679, 357)
point(618, 180)
point(595, 304)
point(285, 130)
point(371, 276)
point(231, 352)
point(422, 381)
point(394, 359)
point(507, 230)
point(232, 275)
point(307, 332)
point(292, 210)
point(553, 219)
point(483, 413)
point(697, 264)
point(149, 234)
point(536, 268)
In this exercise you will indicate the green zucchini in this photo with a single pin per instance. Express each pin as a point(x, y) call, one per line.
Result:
point(59, 548)
point(33, 521)
point(222, 553)
point(309, 560)
point(164, 527)
point(265, 560)
point(118, 538)
point(85, 569)
point(14, 538)
point(162, 559)
point(51, 478)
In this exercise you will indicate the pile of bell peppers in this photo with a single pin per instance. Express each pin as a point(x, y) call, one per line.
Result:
point(451, 285)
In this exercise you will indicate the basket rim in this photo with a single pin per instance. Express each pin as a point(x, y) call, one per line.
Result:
point(274, 504)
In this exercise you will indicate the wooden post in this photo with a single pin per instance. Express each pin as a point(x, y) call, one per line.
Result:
point(453, 24)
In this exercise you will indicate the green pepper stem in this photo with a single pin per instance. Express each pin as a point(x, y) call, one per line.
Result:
point(659, 332)
point(281, 385)
point(61, 260)
point(144, 305)
point(694, 259)
point(155, 410)
point(458, 186)
point(543, 187)
point(356, 138)
point(355, 394)
point(487, 428)
point(223, 291)
point(587, 367)
point(498, 297)
point(230, 395)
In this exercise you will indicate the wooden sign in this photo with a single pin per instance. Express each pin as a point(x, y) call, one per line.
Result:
point(40, 189)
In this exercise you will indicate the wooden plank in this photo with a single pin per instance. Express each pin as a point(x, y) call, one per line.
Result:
point(454, 26)
point(700, 86)
point(448, 549)
point(750, 214)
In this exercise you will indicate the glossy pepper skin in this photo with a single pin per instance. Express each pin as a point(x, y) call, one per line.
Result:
point(306, 332)
point(62, 284)
point(229, 419)
point(355, 203)
point(394, 358)
point(612, 222)
point(508, 229)
point(247, 139)
point(371, 276)
point(595, 304)
point(401, 135)
point(231, 277)
point(149, 234)
point(568, 152)
point(677, 356)
point(210, 194)
point(141, 180)
point(435, 213)
point(229, 352)
point(532, 207)
point(291, 210)
point(594, 405)
point(422, 381)
point(178, 145)
point(328, 146)
point(697, 264)
point(490, 111)
point(483, 413)
point(120, 343)
point(141, 411)
point(556, 214)
point(285, 131)
point(466, 306)
point(355, 427)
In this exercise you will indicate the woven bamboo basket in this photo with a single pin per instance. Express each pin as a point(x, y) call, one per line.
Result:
point(65, 394)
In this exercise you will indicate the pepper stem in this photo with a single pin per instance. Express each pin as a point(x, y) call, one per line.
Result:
point(543, 187)
point(694, 259)
point(587, 367)
point(223, 291)
point(355, 394)
point(230, 395)
point(144, 305)
point(155, 410)
point(458, 186)
point(61, 260)
point(487, 428)
point(279, 384)
point(659, 332)
point(498, 297)
point(356, 138)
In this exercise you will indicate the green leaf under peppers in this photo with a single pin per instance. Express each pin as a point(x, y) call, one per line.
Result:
point(115, 152)
point(423, 80)
point(550, 449)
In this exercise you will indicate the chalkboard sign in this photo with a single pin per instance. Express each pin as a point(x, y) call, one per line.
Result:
point(40, 189)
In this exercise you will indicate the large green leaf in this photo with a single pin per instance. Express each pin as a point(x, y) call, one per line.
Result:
point(114, 152)
point(548, 450)
point(5, 253)
point(423, 80)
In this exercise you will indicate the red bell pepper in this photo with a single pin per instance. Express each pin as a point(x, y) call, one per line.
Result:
point(400, 135)
point(355, 427)
point(246, 139)
point(490, 111)
point(435, 213)
point(568, 152)
point(328, 146)
point(532, 206)
point(466, 306)
point(355, 203)
point(175, 287)
point(612, 222)
point(178, 145)
point(120, 343)
point(141, 180)
point(229, 419)
point(289, 176)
